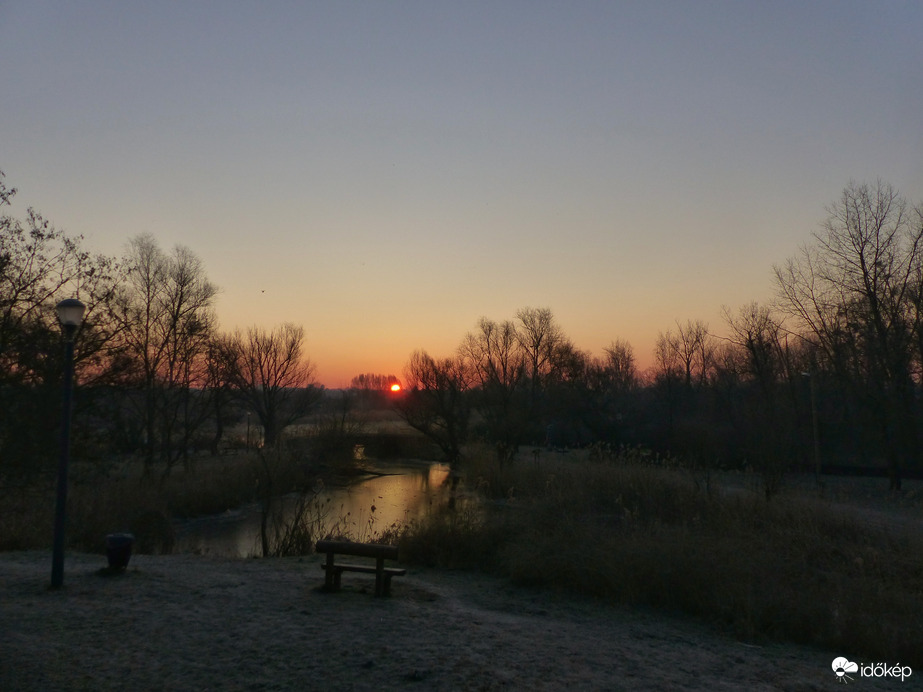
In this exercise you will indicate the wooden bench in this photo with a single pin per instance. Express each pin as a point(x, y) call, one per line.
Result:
point(379, 552)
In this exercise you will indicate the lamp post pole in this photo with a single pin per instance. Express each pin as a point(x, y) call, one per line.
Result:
point(70, 315)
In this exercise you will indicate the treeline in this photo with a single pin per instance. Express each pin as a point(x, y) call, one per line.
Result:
point(156, 376)
point(827, 374)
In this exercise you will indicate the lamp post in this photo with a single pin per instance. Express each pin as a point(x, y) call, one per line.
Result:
point(70, 315)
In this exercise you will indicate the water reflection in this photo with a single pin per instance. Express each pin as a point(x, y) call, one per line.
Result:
point(402, 492)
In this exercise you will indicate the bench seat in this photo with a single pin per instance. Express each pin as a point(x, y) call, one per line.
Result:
point(382, 574)
point(368, 569)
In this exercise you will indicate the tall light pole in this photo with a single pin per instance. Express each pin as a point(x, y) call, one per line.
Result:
point(70, 315)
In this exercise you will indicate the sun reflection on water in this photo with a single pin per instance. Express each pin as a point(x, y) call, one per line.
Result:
point(393, 493)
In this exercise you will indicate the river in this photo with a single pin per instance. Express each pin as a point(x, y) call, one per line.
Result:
point(393, 492)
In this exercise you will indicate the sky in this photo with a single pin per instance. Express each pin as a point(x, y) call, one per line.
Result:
point(386, 173)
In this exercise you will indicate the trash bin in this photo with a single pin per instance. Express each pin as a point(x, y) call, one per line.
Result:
point(118, 549)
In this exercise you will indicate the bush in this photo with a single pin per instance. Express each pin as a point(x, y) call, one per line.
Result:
point(453, 538)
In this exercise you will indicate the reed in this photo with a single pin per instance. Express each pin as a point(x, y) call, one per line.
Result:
point(638, 530)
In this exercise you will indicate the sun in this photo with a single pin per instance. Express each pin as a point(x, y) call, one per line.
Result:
point(395, 387)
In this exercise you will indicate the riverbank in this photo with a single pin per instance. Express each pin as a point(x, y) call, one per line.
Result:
point(187, 622)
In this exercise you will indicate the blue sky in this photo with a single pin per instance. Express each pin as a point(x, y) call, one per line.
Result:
point(385, 173)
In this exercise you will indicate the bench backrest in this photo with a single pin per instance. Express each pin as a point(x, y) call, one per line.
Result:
point(376, 550)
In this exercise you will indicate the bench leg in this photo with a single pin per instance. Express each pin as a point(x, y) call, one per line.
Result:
point(331, 575)
point(379, 576)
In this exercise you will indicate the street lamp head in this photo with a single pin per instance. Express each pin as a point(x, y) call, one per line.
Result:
point(70, 313)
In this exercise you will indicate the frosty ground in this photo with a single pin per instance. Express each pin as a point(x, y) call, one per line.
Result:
point(188, 622)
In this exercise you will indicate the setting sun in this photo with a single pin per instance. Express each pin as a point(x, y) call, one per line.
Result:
point(395, 387)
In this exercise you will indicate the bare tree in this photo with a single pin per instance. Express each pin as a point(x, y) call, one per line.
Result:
point(765, 418)
point(499, 367)
point(540, 339)
point(695, 350)
point(757, 331)
point(684, 361)
point(271, 374)
point(553, 364)
point(620, 366)
point(668, 374)
point(435, 401)
point(167, 323)
point(853, 292)
point(666, 356)
point(605, 391)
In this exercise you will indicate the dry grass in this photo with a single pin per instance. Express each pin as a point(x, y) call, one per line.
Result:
point(124, 499)
point(633, 531)
point(26, 518)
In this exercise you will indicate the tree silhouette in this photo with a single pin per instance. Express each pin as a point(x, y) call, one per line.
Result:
point(167, 323)
point(436, 401)
point(856, 294)
point(270, 373)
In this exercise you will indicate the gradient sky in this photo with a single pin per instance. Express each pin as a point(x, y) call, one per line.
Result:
point(385, 173)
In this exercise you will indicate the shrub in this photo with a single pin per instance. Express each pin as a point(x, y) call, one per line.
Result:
point(453, 538)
